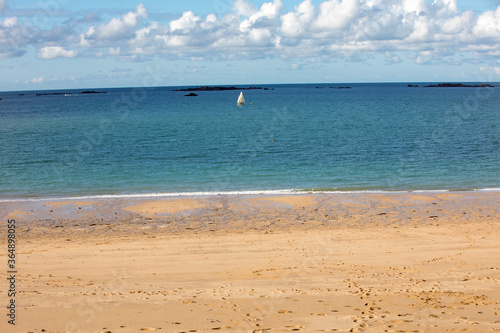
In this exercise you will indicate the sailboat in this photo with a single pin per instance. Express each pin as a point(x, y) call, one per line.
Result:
point(241, 99)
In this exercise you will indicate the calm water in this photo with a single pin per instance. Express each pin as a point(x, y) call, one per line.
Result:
point(140, 141)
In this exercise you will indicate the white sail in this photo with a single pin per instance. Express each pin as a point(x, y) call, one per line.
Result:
point(241, 99)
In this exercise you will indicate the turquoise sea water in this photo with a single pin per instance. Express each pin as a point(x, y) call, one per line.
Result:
point(386, 137)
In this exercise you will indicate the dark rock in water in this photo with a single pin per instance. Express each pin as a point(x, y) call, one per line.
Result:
point(191, 95)
point(207, 88)
point(458, 85)
point(412, 86)
point(334, 87)
point(85, 92)
point(93, 92)
point(49, 94)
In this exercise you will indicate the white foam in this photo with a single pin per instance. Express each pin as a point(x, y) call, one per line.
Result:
point(234, 193)
point(493, 189)
point(155, 195)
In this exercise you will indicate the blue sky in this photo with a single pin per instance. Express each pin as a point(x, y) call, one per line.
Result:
point(61, 44)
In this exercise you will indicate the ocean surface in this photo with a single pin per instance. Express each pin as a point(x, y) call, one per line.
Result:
point(307, 137)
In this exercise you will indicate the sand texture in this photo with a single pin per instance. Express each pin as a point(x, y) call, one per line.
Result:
point(401, 262)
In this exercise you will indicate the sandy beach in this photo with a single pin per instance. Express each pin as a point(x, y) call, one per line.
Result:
point(391, 262)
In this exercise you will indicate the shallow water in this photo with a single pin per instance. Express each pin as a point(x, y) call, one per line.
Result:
point(371, 137)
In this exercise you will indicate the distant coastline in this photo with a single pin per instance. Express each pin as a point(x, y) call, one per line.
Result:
point(218, 88)
point(85, 92)
point(457, 85)
point(258, 86)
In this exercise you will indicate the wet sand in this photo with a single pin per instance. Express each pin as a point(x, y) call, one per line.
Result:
point(394, 262)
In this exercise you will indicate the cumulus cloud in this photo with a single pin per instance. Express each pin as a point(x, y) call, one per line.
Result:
point(295, 24)
point(260, 36)
point(117, 28)
point(459, 23)
point(186, 23)
point(51, 52)
point(244, 8)
point(334, 15)
point(268, 11)
point(488, 24)
point(349, 29)
point(390, 58)
point(14, 37)
point(333, 28)
point(9, 22)
point(416, 6)
point(37, 80)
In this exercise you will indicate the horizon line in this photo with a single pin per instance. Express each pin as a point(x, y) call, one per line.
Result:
point(248, 84)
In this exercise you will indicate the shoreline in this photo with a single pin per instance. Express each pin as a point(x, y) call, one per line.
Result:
point(353, 262)
point(227, 213)
point(237, 192)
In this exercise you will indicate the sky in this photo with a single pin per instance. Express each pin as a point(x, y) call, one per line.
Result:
point(66, 44)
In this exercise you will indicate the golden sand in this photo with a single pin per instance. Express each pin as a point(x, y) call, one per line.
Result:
point(313, 263)
point(296, 202)
point(16, 214)
point(165, 206)
point(58, 204)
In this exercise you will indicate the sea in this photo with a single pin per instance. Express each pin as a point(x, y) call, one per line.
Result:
point(287, 138)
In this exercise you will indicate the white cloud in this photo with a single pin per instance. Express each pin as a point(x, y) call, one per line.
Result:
point(186, 23)
point(144, 33)
point(391, 58)
point(459, 23)
point(295, 23)
point(51, 52)
point(179, 41)
point(83, 42)
point(269, 11)
point(244, 8)
point(114, 51)
point(295, 66)
point(14, 37)
point(335, 15)
point(446, 6)
point(488, 24)
point(37, 80)
point(416, 6)
point(211, 18)
point(9, 22)
point(117, 27)
point(349, 29)
point(260, 36)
